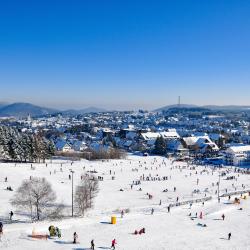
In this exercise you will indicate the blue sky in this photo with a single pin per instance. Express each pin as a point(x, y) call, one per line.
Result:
point(125, 54)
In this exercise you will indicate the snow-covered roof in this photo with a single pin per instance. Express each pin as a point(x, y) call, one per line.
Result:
point(190, 140)
point(240, 148)
point(201, 141)
point(61, 144)
point(154, 135)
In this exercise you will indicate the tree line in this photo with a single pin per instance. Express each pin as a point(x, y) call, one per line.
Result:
point(24, 147)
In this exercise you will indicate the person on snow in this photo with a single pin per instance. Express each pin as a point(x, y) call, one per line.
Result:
point(75, 237)
point(113, 243)
point(1, 229)
point(201, 215)
point(229, 236)
point(122, 214)
point(58, 232)
point(223, 216)
point(152, 211)
point(11, 215)
point(169, 209)
point(92, 245)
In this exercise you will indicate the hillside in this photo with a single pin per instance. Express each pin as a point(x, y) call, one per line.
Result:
point(24, 109)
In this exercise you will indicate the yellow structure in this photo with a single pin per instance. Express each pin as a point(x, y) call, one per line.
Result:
point(113, 220)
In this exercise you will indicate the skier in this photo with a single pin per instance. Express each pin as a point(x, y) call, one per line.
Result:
point(223, 216)
point(11, 215)
point(92, 245)
point(229, 236)
point(113, 243)
point(160, 203)
point(169, 209)
point(75, 237)
point(122, 214)
point(152, 211)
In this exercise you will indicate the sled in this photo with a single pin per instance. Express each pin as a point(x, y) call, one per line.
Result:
point(39, 236)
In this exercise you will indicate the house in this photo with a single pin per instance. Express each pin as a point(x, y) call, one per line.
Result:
point(79, 146)
point(168, 135)
point(63, 146)
point(202, 144)
point(238, 155)
point(177, 146)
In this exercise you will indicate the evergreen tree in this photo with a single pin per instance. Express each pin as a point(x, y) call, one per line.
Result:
point(17, 146)
point(160, 146)
point(50, 149)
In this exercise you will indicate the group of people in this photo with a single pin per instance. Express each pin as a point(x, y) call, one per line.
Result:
point(141, 231)
point(92, 243)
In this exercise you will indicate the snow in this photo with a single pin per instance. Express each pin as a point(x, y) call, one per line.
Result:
point(174, 230)
point(240, 149)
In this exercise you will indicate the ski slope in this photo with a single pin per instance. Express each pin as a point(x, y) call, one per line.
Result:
point(174, 230)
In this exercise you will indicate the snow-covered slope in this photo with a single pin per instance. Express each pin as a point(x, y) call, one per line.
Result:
point(174, 230)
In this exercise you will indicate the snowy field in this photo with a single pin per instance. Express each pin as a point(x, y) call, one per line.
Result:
point(178, 229)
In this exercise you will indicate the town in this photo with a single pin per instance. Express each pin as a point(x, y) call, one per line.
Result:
point(217, 137)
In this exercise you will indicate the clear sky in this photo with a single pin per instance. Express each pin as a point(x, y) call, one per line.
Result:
point(125, 54)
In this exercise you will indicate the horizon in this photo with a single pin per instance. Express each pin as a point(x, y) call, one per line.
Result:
point(4, 104)
point(125, 56)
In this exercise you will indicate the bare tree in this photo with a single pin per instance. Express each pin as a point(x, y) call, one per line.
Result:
point(85, 193)
point(36, 195)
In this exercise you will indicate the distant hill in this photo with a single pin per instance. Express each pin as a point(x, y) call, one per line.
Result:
point(210, 107)
point(24, 109)
point(227, 107)
point(83, 111)
point(175, 106)
point(2, 104)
